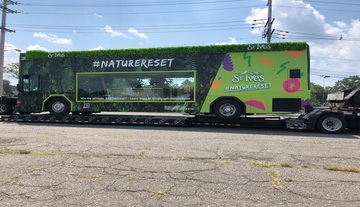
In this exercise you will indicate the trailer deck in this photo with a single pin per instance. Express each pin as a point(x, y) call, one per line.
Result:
point(160, 120)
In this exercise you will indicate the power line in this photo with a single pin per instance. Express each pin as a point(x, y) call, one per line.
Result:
point(301, 35)
point(149, 32)
point(142, 4)
point(165, 28)
point(226, 23)
point(317, 8)
point(137, 13)
point(331, 2)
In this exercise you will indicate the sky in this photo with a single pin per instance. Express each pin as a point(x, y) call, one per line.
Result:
point(330, 27)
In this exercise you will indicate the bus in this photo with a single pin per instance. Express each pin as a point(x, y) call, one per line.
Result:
point(227, 81)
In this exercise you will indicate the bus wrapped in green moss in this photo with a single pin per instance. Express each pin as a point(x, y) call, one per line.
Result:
point(225, 80)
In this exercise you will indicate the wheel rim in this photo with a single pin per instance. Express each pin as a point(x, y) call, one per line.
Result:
point(58, 107)
point(227, 109)
point(332, 124)
point(2, 108)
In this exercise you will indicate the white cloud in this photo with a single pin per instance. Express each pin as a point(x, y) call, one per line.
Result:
point(98, 48)
point(137, 33)
point(52, 38)
point(329, 55)
point(98, 15)
point(340, 24)
point(231, 40)
point(11, 54)
point(354, 29)
point(37, 47)
point(108, 29)
point(8, 47)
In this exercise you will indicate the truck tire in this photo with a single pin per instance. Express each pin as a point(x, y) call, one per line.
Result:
point(331, 123)
point(59, 107)
point(5, 108)
point(227, 109)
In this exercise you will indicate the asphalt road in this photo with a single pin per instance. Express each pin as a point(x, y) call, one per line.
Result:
point(92, 165)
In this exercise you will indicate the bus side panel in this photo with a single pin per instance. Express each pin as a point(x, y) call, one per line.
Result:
point(265, 81)
point(130, 84)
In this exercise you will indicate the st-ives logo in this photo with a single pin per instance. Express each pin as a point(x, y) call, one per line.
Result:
point(56, 55)
point(248, 76)
point(248, 81)
point(259, 47)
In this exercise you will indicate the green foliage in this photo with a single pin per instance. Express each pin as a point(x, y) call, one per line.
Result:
point(316, 94)
point(319, 94)
point(9, 90)
point(352, 82)
point(67, 80)
point(165, 51)
point(12, 69)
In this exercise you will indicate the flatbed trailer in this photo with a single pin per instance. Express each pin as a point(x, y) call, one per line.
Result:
point(341, 112)
point(160, 120)
point(325, 120)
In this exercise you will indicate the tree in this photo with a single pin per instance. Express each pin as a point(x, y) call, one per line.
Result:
point(316, 94)
point(9, 90)
point(352, 82)
point(12, 69)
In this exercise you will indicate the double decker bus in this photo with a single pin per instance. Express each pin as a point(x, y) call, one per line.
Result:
point(225, 80)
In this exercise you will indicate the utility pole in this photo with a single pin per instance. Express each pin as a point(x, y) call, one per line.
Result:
point(269, 23)
point(2, 40)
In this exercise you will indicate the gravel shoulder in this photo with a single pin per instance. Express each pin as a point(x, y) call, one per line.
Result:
point(92, 165)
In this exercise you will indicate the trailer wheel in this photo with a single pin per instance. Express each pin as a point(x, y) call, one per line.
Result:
point(331, 123)
point(227, 109)
point(59, 107)
point(5, 108)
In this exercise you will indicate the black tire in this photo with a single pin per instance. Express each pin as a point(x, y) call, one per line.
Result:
point(227, 109)
point(331, 123)
point(6, 108)
point(59, 107)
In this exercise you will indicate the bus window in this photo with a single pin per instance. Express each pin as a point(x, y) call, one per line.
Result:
point(31, 83)
point(137, 86)
point(295, 73)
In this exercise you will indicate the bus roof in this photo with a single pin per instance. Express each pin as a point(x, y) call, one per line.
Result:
point(162, 51)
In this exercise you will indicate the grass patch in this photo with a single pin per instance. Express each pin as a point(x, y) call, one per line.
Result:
point(8, 151)
point(275, 179)
point(305, 166)
point(291, 180)
point(133, 177)
point(177, 158)
point(159, 193)
point(264, 164)
point(286, 164)
point(5, 150)
point(343, 168)
point(227, 162)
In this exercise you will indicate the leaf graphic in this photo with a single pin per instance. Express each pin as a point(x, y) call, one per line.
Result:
point(265, 61)
point(295, 53)
point(256, 103)
point(227, 63)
